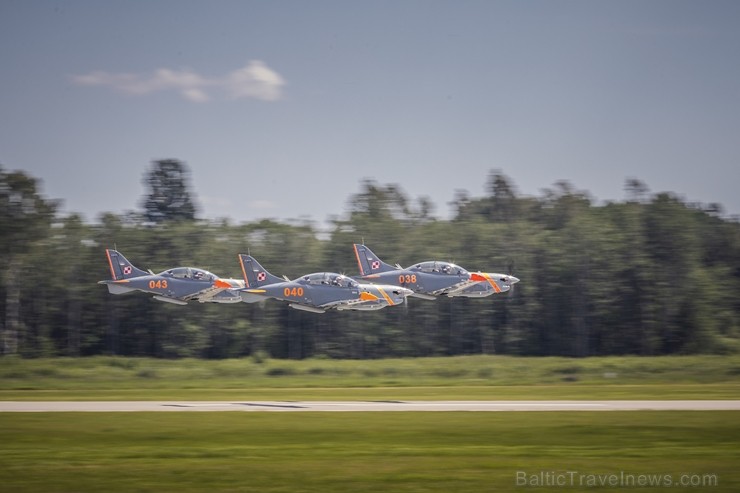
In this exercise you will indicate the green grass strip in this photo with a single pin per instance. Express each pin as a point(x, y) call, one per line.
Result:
point(462, 377)
point(359, 452)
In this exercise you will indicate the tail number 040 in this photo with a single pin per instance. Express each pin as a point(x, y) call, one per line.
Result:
point(293, 292)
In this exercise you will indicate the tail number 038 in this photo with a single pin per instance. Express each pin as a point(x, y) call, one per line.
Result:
point(407, 279)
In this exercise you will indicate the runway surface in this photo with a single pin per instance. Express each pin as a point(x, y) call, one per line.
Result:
point(363, 406)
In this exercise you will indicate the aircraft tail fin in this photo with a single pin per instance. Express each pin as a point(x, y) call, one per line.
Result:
point(368, 262)
point(120, 267)
point(254, 274)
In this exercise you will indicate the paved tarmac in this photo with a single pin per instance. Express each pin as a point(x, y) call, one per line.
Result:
point(364, 406)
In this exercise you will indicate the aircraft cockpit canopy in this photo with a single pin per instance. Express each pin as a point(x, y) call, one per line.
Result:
point(189, 273)
point(328, 279)
point(439, 267)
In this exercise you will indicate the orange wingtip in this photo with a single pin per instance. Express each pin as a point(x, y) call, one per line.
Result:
point(365, 296)
point(477, 277)
point(218, 283)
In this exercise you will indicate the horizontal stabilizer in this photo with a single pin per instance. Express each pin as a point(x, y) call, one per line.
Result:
point(117, 288)
point(251, 298)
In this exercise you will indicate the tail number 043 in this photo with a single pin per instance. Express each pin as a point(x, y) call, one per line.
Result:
point(160, 284)
point(293, 292)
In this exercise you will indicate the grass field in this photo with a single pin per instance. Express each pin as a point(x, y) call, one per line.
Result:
point(358, 452)
point(463, 377)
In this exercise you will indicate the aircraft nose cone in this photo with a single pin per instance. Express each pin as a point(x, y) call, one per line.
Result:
point(513, 280)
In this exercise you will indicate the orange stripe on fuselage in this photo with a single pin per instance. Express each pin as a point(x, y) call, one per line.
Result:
point(110, 263)
point(244, 272)
point(218, 283)
point(359, 264)
point(492, 282)
point(365, 296)
point(387, 298)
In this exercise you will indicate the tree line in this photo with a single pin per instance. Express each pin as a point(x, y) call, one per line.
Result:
point(649, 275)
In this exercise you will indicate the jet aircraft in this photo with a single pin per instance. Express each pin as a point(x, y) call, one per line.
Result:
point(178, 285)
point(317, 292)
point(433, 278)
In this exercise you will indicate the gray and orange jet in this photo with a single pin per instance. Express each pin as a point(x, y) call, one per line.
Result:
point(178, 285)
point(432, 278)
point(317, 292)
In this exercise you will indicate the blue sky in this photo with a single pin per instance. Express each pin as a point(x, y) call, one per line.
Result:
point(281, 108)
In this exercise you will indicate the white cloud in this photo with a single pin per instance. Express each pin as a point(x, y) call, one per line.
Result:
point(255, 80)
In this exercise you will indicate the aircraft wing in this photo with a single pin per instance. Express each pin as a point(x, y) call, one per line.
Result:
point(348, 304)
point(494, 282)
point(211, 292)
point(456, 288)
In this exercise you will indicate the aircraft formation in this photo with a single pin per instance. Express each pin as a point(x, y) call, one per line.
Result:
point(379, 284)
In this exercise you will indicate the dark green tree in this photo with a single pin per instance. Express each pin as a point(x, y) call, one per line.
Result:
point(649, 275)
point(25, 218)
point(169, 197)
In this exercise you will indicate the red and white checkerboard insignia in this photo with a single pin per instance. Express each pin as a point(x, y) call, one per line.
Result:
point(375, 264)
point(261, 276)
point(127, 270)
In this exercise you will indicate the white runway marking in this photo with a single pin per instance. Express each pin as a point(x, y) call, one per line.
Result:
point(364, 406)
